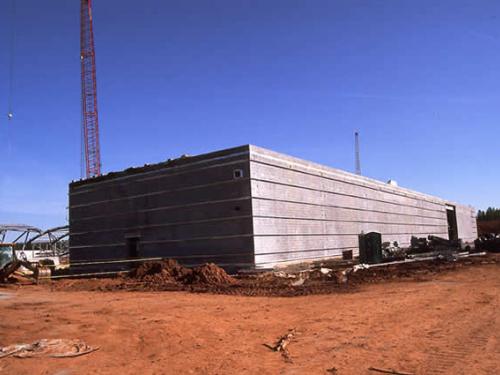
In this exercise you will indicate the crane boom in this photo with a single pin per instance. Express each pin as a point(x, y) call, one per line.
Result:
point(90, 121)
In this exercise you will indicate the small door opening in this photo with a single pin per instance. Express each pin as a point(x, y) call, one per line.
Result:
point(451, 216)
point(133, 247)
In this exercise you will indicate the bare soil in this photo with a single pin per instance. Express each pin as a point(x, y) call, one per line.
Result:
point(439, 319)
point(488, 226)
point(169, 275)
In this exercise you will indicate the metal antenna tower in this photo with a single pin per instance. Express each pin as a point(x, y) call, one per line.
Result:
point(356, 147)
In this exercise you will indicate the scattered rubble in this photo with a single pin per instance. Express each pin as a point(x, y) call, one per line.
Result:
point(389, 371)
point(282, 344)
point(433, 244)
point(392, 251)
point(323, 277)
point(55, 348)
point(488, 242)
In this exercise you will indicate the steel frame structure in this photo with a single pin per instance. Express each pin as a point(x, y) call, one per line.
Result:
point(53, 239)
point(22, 233)
point(28, 237)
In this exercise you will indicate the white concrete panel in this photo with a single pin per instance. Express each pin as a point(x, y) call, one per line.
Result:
point(273, 208)
point(466, 223)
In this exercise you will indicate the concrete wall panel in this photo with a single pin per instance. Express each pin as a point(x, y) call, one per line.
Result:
point(306, 211)
point(275, 192)
point(466, 223)
point(334, 184)
point(275, 208)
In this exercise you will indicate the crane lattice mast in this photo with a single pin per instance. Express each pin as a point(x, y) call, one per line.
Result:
point(90, 123)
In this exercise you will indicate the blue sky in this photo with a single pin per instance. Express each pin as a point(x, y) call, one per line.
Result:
point(419, 79)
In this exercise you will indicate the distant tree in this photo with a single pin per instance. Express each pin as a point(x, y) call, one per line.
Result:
point(491, 213)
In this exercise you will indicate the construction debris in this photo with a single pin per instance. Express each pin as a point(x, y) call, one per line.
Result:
point(488, 242)
point(373, 251)
point(389, 371)
point(392, 251)
point(299, 282)
point(322, 277)
point(282, 344)
point(284, 341)
point(55, 348)
point(433, 243)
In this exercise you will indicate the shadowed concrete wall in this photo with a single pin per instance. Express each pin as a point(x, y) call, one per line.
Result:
point(194, 209)
point(306, 211)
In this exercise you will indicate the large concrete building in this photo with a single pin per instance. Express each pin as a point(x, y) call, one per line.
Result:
point(248, 207)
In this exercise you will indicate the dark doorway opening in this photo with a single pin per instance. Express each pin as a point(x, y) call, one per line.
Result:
point(452, 222)
point(133, 247)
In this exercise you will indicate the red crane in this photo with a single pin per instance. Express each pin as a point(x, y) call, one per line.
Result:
point(90, 121)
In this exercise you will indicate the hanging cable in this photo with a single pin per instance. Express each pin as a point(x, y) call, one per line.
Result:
point(10, 111)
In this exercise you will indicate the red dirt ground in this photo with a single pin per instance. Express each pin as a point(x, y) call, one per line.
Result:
point(488, 226)
point(447, 323)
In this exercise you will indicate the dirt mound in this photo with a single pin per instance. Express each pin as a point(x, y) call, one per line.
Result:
point(170, 272)
point(163, 272)
point(210, 274)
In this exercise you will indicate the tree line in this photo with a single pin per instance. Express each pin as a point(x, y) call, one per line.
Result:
point(491, 213)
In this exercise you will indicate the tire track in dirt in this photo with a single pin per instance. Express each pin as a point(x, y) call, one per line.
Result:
point(451, 355)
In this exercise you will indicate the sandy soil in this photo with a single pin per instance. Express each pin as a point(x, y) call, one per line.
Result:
point(447, 324)
point(489, 226)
